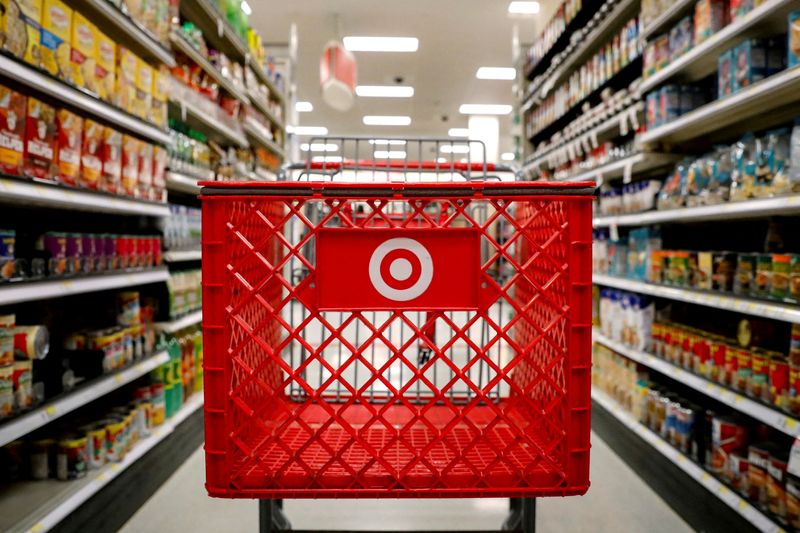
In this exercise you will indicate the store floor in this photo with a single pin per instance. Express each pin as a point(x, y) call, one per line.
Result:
point(617, 502)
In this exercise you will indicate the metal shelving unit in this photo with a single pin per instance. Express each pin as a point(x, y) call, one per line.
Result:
point(766, 309)
point(178, 182)
point(738, 504)
point(742, 403)
point(256, 133)
point(29, 291)
point(203, 121)
point(259, 103)
point(626, 168)
point(182, 45)
point(665, 20)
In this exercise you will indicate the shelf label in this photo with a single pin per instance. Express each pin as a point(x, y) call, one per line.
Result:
point(50, 411)
point(37, 528)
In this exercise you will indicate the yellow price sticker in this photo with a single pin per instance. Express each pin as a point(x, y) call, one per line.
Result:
point(118, 378)
point(706, 476)
point(791, 423)
point(50, 410)
point(102, 477)
point(723, 490)
point(115, 467)
point(67, 285)
point(742, 505)
point(37, 528)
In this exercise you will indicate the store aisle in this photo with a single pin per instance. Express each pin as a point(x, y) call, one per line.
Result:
point(618, 501)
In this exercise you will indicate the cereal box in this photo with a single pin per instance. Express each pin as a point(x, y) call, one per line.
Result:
point(112, 160)
point(126, 69)
point(725, 74)
point(105, 55)
point(750, 63)
point(709, 18)
point(82, 57)
point(145, 181)
point(738, 9)
point(144, 89)
point(130, 165)
point(40, 140)
point(793, 56)
point(70, 131)
point(20, 28)
point(55, 38)
point(12, 131)
point(160, 89)
point(91, 155)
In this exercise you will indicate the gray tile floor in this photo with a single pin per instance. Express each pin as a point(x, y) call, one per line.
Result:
point(617, 502)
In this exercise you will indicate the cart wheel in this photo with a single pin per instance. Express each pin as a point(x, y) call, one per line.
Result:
point(271, 517)
point(522, 517)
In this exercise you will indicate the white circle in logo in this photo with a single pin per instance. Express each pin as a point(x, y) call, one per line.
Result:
point(401, 269)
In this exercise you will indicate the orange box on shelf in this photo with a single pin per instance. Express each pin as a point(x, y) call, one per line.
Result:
point(91, 155)
point(105, 66)
point(112, 160)
point(70, 132)
point(130, 165)
point(40, 140)
point(12, 130)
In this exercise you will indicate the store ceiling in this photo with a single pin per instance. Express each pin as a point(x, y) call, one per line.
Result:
point(456, 37)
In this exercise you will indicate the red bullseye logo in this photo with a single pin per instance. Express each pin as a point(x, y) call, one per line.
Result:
point(401, 269)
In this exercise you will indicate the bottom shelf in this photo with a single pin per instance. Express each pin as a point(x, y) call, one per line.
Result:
point(753, 518)
point(38, 506)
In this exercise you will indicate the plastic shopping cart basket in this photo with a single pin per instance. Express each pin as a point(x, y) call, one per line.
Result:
point(406, 337)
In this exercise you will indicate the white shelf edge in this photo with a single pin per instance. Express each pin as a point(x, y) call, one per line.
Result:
point(710, 113)
point(64, 93)
point(640, 162)
point(189, 320)
point(41, 416)
point(182, 183)
point(109, 472)
point(662, 21)
point(726, 35)
point(17, 292)
point(76, 199)
point(255, 132)
point(740, 402)
point(183, 45)
point(747, 208)
point(224, 29)
point(766, 309)
point(210, 124)
point(693, 470)
point(181, 255)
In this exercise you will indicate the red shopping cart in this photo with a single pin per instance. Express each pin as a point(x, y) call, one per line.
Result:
point(391, 328)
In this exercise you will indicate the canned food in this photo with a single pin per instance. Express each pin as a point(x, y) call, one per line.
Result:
point(96, 444)
point(778, 380)
point(23, 384)
point(6, 346)
point(724, 271)
point(781, 270)
point(745, 274)
point(8, 266)
point(40, 457)
point(74, 253)
point(744, 369)
point(12, 461)
point(731, 366)
point(112, 258)
point(115, 436)
point(794, 278)
point(758, 380)
point(159, 406)
point(737, 472)
point(72, 458)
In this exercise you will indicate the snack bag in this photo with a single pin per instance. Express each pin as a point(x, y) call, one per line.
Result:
point(91, 155)
point(105, 54)
point(145, 179)
point(40, 140)
point(83, 56)
point(772, 164)
point(144, 90)
point(55, 39)
point(743, 176)
point(112, 160)
point(70, 131)
point(719, 170)
point(793, 56)
point(130, 165)
point(673, 192)
point(12, 131)
point(125, 76)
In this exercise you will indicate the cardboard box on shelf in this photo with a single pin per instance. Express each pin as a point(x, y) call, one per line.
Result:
point(12, 131)
point(55, 39)
point(40, 140)
point(130, 165)
point(91, 155)
point(158, 114)
point(105, 66)
point(68, 153)
point(125, 77)
point(144, 90)
point(112, 160)
point(84, 52)
point(20, 29)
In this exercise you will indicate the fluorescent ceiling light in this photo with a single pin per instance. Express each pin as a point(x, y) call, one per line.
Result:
point(484, 109)
point(387, 142)
point(304, 107)
point(384, 154)
point(381, 44)
point(327, 159)
point(319, 147)
point(496, 73)
point(454, 149)
point(386, 120)
point(458, 132)
point(246, 8)
point(385, 91)
point(523, 8)
point(308, 130)
point(508, 156)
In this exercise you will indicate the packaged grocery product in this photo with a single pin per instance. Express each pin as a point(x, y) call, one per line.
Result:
point(672, 194)
point(31, 342)
point(8, 239)
point(709, 18)
point(41, 452)
point(781, 271)
point(725, 70)
point(83, 62)
point(20, 28)
point(662, 51)
point(772, 164)
point(758, 457)
point(95, 444)
point(23, 384)
point(681, 37)
point(763, 279)
point(669, 103)
point(40, 140)
point(72, 458)
point(145, 178)
point(739, 8)
point(778, 391)
point(160, 160)
point(6, 391)
point(105, 66)
point(130, 165)
point(793, 47)
point(128, 309)
point(125, 78)
point(724, 270)
point(75, 253)
point(144, 90)
point(750, 63)
point(743, 176)
point(776, 56)
point(793, 500)
point(776, 482)
point(6, 346)
point(12, 131)
point(160, 91)
point(55, 39)
point(728, 436)
point(719, 167)
point(92, 154)
point(68, 153)
point(112, 160)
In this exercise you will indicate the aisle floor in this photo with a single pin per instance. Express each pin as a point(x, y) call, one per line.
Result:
point(618, 501)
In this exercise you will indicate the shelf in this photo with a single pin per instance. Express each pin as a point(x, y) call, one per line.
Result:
point(740, 402)
point(181, 44)
point(625, 168)
point(258, 102)
point(39, 506)
point(82, 395)
point(692, 469)
point(767, 19)
point(262, 75)
point(255, 132)
point(178, 182)
point(43, 83)
point(731, 210)
point(666, 20)
point(610, 23)
point(189, 320)
point(126, 31)
point(208, 124)
point(764, 104)
point(29, 291)
point(43, 194)
point(178, 256)
point(765, 309)
point(215, 27)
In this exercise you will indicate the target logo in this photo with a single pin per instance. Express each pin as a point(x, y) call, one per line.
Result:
point(390, 269)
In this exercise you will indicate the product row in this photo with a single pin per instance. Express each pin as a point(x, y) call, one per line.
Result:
point(617, 53)
point(751, 458)
point(57, 254)
point(552, 31)
point(604, 154)
point(185, 292)
point(182, 230)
